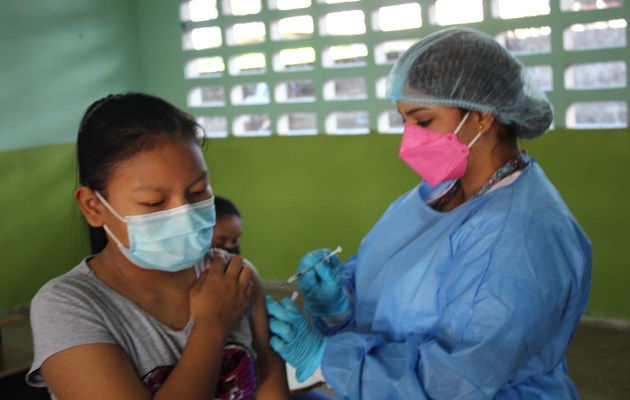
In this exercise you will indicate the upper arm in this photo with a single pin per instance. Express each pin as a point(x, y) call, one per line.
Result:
point(93, 371)
point(271, 367)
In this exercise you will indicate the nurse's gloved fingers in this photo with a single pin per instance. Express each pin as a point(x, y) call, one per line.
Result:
point(312, 258)
point(279, 346)
point(308, 280)
point(325, 272)
point(332, 261)
point(273, 308)
point(290, 306)
point(282, 330)
point(284, 309)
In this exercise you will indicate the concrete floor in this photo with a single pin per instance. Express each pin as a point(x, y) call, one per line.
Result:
point(598, 359)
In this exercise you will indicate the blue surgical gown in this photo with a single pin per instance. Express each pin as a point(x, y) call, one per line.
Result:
point(476, 303)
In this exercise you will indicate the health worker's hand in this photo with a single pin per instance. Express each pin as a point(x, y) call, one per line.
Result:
point(297, 342)
point(322, 288)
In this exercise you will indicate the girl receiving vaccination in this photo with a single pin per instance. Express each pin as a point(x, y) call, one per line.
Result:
point(153, 312)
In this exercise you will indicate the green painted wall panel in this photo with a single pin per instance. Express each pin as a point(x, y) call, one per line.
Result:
point(590, 169)
point(300, 193)
point(159, 50)
point(40, 234)
point(57, 57)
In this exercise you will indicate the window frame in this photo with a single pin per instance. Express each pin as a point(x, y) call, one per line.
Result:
point(373, 69)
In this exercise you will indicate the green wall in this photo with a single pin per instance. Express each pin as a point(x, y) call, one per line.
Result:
point(301, 193)
point(57, 57)
point(40, 232)
point(296, 193)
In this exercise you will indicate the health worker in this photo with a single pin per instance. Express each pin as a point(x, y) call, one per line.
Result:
point(471, 285)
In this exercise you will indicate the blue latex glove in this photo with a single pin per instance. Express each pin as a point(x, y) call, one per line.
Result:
point(297, 342)
point(323, 292)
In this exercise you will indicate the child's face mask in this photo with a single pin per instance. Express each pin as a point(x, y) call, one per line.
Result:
point(169, 240)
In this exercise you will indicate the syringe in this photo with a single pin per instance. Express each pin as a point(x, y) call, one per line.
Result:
point(305, 270)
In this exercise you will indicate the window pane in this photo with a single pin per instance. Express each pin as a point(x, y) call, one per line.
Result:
point(198, 10)
point(352, 55)
point(292, 28)
point(248, 33)
point(251, 63)
point(204, 67)
point(250, 93)
point(297, 124)
point(214, 127)
point(202, 38)
point(344, 23)
point(453, 12)
point(295, 91)
point(509, 9)
point(586, 5)
point(596, 75)
point(596, 35)
point(298, 59)
point(206, 96)
point(345, 89)
point(381, 87)
point(388, 52)
point(289, 4)
point(241, 7)
point(543, 75)
point(396, 18)
point(252, 125)
point(604, 114)
point(390, 121)
point(347, 123)
point(527, 41)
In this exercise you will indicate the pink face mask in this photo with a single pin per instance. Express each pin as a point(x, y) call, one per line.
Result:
point(435, 156)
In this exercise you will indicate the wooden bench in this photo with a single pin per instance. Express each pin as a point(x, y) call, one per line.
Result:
point(13, 360)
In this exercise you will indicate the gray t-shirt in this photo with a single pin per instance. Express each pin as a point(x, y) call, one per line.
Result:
point(78, 308)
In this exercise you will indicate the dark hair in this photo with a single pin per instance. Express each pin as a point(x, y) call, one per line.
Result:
point(118, 127)
point(225, 208)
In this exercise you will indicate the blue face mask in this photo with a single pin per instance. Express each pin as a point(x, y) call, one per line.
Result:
point(169, 240)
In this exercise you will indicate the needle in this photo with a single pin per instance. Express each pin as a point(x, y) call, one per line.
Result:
point(305, 270)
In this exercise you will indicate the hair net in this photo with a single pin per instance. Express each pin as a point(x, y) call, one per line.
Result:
point(466, 68)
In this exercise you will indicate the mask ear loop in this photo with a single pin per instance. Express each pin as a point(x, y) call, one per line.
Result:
point(110, 233)
point(111, 209)
point(476, 137)
point(108, 206)
point(456, 131)
point(462, 124)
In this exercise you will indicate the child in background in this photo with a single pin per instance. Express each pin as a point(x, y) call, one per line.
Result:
point(229, 226)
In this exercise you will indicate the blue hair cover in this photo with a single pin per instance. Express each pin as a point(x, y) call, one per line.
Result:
point(465, 68)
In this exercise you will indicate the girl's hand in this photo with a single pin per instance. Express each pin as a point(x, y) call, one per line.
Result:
point(221, 293)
